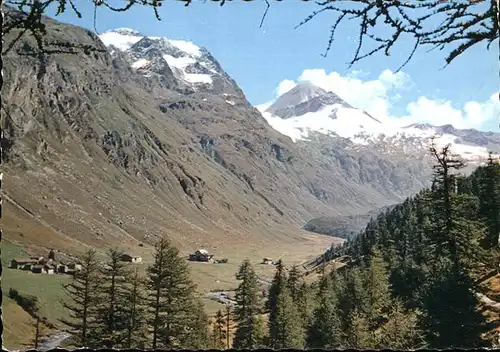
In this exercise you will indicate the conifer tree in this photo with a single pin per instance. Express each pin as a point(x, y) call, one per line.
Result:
point(355, 296)
point(378, 288)
point(84, 292)
point(452, 234)
point(451, 318)
point(490, 202)
point(288, 331)
point(277, 286)
point(339, 284)
point(170, 296)
point(415, 264)
point(325, 330)
point(228, 325)
point(293, 283)
point(196, 336)
point(112, 310)
point(400, 331)
point(303, 303)
point(249, 333)
point(136, 312)
point(219, 333)
point(358, 334)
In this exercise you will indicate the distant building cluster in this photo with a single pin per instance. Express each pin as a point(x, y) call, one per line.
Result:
point(42, 265)
point(130, 258)
point(201, 255)
point(268, 261)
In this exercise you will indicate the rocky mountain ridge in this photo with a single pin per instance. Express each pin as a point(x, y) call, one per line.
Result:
point(104, 147)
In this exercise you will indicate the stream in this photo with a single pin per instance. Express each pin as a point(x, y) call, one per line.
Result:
point(53, 341)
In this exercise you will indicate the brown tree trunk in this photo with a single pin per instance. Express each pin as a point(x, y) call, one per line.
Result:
point(228, 311)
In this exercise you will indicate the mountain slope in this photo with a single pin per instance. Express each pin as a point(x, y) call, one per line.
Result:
point(124, 145)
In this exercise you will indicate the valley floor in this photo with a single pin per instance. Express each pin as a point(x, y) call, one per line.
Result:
point(20, 326)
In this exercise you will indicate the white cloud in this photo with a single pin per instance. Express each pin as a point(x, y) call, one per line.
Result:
point(372, 96)
point(284, 86)
point(263, 107)
point(473, 114)
point(379, 96)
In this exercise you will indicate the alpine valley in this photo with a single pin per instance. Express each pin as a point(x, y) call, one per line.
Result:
point(150, 135)
point(133, 137)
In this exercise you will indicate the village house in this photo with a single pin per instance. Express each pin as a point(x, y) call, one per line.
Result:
point(48, 269)
point(267, 261)
point(201, 255)
point(41, 265)
point(130, 259)
point(22, 263)
point(36, 269)
point(61, 268)
point(71, 268)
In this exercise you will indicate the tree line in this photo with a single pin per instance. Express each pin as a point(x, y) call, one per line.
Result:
point(438, 246)
point(413, 285)
point(417, 271)
point(113, 306)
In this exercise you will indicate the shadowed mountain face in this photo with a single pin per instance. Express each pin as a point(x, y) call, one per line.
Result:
point(153, 137)
point(343, 226)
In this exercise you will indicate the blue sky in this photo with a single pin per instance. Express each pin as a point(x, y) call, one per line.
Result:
point(260, 58)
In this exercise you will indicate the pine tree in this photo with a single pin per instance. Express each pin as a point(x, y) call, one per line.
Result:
point(135, 312)
point(288, 330)
point(84, 294)
point(170, 296)
point(219, 333)
point(293, 283)
point(401, 330)
point(415, 262)
point(325, 330)
point(355, 296)
point(451, 318)
point(277, 286)
point(196, 336)
point(228, 326)
point(305, 303)
point(112, 309)
point(358, 335)
point(249, 332)
point(452, 234)
point(378, 288)
point(490, 202)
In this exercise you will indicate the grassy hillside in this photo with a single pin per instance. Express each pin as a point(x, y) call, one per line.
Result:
point(18, 324)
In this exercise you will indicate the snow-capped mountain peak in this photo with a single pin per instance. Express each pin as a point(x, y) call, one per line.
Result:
point(120, 38)
point(304, 98)
point(421, 126)
point(308, 110)
point(126, 31)
point(301, 93)
point(189, 63)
